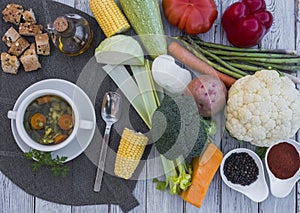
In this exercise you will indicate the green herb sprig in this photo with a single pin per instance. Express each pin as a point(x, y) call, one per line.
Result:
point(45, 159)
point(261, 151)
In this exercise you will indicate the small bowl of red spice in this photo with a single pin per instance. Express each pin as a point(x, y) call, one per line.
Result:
point(283, 166)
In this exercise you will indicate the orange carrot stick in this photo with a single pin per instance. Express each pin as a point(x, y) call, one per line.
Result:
point(204, 169)
point(192, 61)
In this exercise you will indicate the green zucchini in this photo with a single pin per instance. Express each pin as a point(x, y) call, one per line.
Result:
point(145, 18)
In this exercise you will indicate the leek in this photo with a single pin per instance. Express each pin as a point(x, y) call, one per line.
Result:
point(128, 86)
point(159, 92)
point(142, 76)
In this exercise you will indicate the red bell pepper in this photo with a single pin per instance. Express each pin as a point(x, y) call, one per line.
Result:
point(192, 16)
point(246, 22)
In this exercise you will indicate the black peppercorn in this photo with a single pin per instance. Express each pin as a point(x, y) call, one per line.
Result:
point(240, 168)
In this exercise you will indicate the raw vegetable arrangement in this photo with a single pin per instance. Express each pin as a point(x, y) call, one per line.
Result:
point(255, 85)
point(178, 85)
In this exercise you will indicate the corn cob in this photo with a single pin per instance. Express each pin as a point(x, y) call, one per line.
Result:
point(109, 17)
point(130, 151)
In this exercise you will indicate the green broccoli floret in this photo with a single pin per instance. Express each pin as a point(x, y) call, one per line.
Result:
point(178, 128)
point(179, 133)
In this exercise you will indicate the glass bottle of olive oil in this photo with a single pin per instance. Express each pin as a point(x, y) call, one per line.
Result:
point(71, 34)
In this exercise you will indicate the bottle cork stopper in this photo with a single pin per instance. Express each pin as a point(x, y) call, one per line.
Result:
point(60, 24)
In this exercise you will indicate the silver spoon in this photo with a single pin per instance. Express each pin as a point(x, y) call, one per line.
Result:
point(110, 114)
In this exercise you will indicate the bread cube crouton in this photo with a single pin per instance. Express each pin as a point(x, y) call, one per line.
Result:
point(30, 60)
point(13, 13)
point(18, 47)
point(28, 16)
point(10, 36)
point(28, 29)
point(9, 63)
point(42, 44)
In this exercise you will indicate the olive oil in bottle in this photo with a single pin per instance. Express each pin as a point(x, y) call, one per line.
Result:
point(71, 34)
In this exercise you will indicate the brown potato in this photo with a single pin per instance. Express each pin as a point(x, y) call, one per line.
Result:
point(209, 93)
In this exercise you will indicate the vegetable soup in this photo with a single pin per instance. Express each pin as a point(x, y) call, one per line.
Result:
point(49, 120)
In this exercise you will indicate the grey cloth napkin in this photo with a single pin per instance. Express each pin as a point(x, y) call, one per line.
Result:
point(77, 187)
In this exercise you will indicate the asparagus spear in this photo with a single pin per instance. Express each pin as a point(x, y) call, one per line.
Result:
point(231, 60)
point(237, 49)
point(276, 66)
point(214, 65)
point(295, 60)
point(216, 58)
point(246, 67)
point(249, 54)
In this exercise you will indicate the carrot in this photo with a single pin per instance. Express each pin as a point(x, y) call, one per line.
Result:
point(38, 121)
point(60, 138)
point(192, 61)
point(204, 169)
point(65, 122)
point(43, 99)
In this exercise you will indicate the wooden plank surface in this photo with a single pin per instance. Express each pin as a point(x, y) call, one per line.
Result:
point(12, 198)
point(285, 33)
point(281, 36)
point(50, 207)
point(90, 209)
point(297, 42)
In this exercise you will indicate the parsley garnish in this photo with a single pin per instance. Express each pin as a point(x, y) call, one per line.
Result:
point(45, 159)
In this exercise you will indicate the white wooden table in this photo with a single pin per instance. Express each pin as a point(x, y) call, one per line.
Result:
point(285, 33)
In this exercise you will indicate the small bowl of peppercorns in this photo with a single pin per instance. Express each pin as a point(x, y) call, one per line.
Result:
point(242, 170)
point(283, 166)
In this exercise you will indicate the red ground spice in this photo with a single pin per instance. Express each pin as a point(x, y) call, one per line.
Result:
point(283, 160)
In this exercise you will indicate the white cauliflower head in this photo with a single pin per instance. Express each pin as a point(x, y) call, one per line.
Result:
point(263, 108)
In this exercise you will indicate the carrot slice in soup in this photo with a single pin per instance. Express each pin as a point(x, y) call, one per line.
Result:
point(38, 121)
point(65, 122)
point(43, 100)
point(60, 138)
